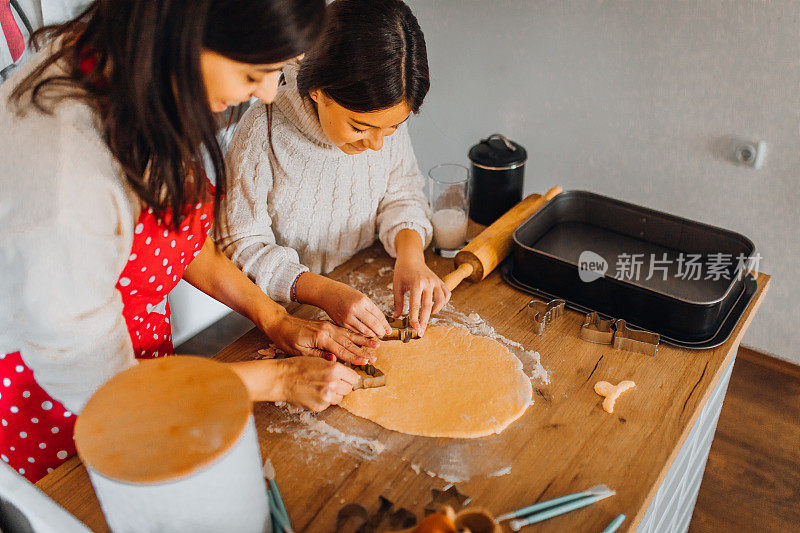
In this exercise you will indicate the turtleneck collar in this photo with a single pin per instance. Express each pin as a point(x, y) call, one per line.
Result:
point(298, 110)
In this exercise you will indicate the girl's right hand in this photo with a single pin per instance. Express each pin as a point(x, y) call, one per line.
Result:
point(353, 309)
point(313, 383)
point(315, 338)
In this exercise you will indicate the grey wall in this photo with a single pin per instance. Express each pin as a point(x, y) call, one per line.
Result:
point(636, 100)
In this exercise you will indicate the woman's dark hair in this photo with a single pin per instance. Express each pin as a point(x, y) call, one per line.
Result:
point(147, 83)
point(371, 56)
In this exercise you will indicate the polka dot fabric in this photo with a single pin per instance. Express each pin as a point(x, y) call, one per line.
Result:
point(155, 265)
point(36, 433)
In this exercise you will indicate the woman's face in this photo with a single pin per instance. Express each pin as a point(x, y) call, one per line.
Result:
point(229, 82)
point(354, 132)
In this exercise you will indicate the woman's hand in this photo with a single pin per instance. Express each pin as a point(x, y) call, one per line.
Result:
point(313, 383)
point(309, 382)
point(428, 293)
point(316, 338)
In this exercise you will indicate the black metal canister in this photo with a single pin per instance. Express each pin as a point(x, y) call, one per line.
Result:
point(498, 168)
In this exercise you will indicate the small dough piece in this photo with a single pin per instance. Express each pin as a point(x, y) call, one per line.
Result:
point(611, 392)
point(449, 383)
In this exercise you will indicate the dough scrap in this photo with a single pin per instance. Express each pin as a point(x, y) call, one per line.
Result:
point(449, 383)
point(611, 392)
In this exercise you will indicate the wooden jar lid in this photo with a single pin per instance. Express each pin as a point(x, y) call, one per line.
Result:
point(162, 419)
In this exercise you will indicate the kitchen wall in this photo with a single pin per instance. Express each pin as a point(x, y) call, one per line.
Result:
point(636, 100)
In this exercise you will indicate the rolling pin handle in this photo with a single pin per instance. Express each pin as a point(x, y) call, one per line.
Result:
point(458, 275)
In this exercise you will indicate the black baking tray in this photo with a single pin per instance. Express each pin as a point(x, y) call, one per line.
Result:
point(688, 312)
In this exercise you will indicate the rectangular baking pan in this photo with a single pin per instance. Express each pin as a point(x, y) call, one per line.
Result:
point(694, 313)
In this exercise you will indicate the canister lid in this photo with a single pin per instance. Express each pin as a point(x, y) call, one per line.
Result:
point(496, 152)
point(162, 419)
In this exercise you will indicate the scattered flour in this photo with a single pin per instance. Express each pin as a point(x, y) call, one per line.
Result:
point(322, 433)
point(450, 478)
point(532, 363)
point(501, 472)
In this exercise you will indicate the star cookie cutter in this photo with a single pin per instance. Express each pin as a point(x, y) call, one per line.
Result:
point(542, 313)
point(447, 496)
point(597, 330)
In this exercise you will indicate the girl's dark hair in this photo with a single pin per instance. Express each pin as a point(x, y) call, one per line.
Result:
point(148, 87)
point(371, 56)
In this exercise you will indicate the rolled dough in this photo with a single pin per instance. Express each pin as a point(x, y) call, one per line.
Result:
point(449, 383)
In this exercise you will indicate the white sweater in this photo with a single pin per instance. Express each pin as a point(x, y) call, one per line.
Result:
point(66, 228)
point(304, 204)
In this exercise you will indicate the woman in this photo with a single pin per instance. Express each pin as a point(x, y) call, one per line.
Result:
point(314, 177)
point(106, 206)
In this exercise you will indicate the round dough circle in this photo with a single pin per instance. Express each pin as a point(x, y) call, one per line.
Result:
point(449, 383)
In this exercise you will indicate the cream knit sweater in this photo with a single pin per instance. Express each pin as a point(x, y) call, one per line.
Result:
point(66, 228)
point(303, 204)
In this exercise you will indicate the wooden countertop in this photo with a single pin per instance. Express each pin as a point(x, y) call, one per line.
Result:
point(564, 443)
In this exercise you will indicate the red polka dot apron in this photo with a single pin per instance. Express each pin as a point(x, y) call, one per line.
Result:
point(37, 430)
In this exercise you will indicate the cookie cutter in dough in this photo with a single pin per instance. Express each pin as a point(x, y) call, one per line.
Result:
point(401, 330)
point(597, 330)
point(635, 340)
point(542, 313)
point(618, 334)
point(371, 377)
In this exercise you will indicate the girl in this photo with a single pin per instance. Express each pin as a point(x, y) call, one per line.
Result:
point(316, 175)
point(105, 206)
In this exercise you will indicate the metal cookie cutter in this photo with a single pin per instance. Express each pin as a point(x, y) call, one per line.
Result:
point(597, 330)
point(542, 313)
point(617, 333)
point(447, 496)
point(635, 340)
point(401, 330)
point(371, 377)
point(358, 518)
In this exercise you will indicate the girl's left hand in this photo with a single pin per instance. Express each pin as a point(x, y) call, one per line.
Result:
point(428, 293)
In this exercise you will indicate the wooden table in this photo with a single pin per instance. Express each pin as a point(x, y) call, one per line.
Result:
point(564, 443)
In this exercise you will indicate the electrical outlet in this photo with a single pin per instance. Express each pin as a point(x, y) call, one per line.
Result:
point(748, 152)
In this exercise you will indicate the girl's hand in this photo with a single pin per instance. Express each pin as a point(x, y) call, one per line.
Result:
point(316, 338)
point(353, 309)
point(428, 293)
point(313, 383)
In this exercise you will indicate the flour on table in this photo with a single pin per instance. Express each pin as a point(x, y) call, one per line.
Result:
point(321, 433)
point(501, 472)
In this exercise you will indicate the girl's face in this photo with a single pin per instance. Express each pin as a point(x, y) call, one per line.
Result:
point(229, 82)
point(354, 132)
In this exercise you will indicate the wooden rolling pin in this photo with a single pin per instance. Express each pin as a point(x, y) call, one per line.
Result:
point(483, 253)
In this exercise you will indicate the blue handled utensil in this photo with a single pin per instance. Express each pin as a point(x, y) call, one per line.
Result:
point(281, 514)
point(560, 509)
point(594, 491)
point(614, 524)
